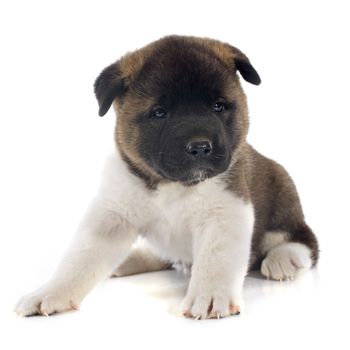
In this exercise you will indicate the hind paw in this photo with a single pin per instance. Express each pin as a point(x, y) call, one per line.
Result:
point(286, 261)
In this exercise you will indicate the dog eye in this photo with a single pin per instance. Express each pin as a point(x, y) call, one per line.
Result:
point(219, 107)
point(159, 113)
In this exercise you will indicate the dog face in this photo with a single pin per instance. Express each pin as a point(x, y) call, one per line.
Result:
point(181, 110)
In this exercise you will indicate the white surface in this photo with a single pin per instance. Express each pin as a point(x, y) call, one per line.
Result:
point(53, 145)
point(143, 311)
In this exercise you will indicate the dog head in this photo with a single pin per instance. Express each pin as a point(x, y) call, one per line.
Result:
point(181, 111)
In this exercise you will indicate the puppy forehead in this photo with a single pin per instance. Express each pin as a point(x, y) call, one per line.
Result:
point(183, 70)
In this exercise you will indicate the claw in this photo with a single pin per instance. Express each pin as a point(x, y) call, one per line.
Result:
point(218, 316)
point(235, 310)
point(198, 318)
point(42, 312)
point(186, 313)
point(73, 305)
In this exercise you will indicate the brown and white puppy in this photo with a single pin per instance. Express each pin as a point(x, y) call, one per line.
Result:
point(184, 178)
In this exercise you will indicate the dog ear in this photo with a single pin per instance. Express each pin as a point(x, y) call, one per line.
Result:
point(243, 65)
point(109, 85)
point(247, 71)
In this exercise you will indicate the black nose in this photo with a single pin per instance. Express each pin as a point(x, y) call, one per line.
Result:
point(199, 148)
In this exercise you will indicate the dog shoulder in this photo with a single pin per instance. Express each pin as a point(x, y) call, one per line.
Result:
point(121, 191)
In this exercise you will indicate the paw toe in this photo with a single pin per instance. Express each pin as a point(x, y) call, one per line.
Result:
point(201, 306)
point(28, 306)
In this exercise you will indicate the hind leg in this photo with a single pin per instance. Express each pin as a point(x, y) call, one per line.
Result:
point(288, 254)
point(141, 259)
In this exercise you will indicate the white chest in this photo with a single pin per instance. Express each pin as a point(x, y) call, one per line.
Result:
point(170, 216)
point(178, 211)
point(170, 230)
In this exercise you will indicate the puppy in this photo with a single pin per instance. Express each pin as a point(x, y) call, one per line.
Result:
point(184, 178)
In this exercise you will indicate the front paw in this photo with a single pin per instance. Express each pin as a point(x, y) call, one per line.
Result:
point(46, 301)
point(214, 303)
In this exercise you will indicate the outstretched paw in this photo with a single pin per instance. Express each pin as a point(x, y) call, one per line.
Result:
point(45, 302)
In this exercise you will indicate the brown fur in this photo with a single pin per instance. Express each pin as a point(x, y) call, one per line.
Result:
point(275, 199)
point(126, 136)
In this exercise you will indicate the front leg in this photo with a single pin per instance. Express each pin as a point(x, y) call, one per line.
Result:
point(102, 242)
point(221, 257)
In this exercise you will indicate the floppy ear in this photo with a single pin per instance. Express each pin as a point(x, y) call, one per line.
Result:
point(109, 85)
point(247, 71)
point(244, 66)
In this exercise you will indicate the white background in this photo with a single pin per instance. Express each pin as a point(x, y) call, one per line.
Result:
point(53, 145)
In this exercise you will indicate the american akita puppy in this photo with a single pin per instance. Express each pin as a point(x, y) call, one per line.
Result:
point(184, 178)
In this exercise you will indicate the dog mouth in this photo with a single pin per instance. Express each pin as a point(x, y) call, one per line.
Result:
point(188, 177)
point(198, 175)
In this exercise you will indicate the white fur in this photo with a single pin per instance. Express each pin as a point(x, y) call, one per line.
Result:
point(272, 239)
point(286, 261)
point(204, 225)
point(141, 258)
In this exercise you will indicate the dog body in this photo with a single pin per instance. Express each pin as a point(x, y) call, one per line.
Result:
point(184, 178)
